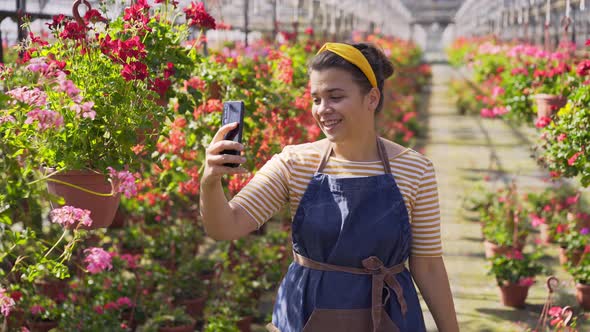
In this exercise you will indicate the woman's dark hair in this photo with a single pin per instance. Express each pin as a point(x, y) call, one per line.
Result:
point(382, 67)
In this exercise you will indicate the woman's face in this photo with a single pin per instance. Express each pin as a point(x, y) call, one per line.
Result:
point(339, 106)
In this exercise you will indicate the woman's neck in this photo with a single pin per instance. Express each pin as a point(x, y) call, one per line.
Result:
point(364, 149)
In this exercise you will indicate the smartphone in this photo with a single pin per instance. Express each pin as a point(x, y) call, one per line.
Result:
point(233, 111)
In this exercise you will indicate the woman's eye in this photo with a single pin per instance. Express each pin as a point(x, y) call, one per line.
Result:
point(316, 101)
point(337, 97)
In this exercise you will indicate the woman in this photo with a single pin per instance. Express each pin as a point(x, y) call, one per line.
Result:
point(363, 206)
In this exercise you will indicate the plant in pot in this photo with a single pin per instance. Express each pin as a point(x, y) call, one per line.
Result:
point(41, 312)
point(549, 208)
point(188, 289)
point(563, 148)
point(89, 92)
point(505, 225)
point(552, 83)
point(168, 319)
point(581, 274)
point(515, 272)
point(572, 242)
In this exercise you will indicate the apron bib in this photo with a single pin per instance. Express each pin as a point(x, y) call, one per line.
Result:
point(351, 238)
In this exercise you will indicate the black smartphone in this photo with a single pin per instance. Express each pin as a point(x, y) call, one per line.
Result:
point(233, 111)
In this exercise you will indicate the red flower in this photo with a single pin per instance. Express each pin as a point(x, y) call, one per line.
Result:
point(16, 295)
point(58, 21)
point(583, 68)
point(212, 105)
point(309, 31)
point(561, 137)
point(169, 71)
point(134, 71)
point(161, 86)
point(131, 48)
point(138, 12)
point(587, 42)
point(198, 16)
point(573, 158)
point(94, 16)
point(74, 31)
point(195, 83)
point(543, 122)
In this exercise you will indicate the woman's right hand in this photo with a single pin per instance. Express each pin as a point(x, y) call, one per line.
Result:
point(214, 160)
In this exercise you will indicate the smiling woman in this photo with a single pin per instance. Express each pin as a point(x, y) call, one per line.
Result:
point(362, 206)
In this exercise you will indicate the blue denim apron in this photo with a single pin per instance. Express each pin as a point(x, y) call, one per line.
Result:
point(351, 238)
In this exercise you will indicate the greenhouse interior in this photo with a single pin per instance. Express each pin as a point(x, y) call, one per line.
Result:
point(176, 165)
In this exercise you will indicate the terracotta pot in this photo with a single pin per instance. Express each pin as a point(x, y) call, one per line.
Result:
point(182, 328)
point(16, 319)
point(576, 255)
point(102, 209)
point(55, 289)
point(514, 295)
point(194, 307)
point(41, 326)
point(245, 324)
point(548, 104)
point(546, 237)
point(583, 295)
point(118, 220)
point(492, 249)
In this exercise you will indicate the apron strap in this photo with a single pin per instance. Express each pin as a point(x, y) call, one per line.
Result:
point(380, 276)
point(380, 149)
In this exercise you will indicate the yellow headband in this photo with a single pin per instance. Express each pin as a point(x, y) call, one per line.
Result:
point(354, 56)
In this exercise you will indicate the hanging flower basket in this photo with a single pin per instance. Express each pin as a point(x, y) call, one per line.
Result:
point(548, 104)
point(514, 295)
point(86, 190)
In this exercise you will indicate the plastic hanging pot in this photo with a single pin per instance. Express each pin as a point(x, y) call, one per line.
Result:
point(85, 190)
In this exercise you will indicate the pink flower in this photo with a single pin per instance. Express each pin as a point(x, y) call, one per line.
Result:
point(555, 311)
point(70, 89)
point(497, 91)
point(98, 309)
point(85, 110)
point(110, 305)
point(124, 182)
point(130, 259)
point(124, 301)
point(6, 302)
point(98, 260)
point(536, 221)
point(46, 119)
point(486, 113)
point(499, 111)
point(543, 121)
point(70, 216)
point(7, 118)
point(561, 137)
point(32, 97)
point(515, 254)
point(583, 68)
point(528, 281)
point(37, 309)
point(572, 160)
point(585, 231)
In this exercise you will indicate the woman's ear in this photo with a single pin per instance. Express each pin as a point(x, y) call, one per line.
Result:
point(373, 98)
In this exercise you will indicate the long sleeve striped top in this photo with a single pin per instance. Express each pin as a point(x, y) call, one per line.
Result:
point(284, 178)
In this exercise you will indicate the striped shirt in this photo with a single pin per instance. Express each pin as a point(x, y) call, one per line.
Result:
point(284, 179)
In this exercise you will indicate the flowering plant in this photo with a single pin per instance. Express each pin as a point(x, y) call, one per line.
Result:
point(167, 317)
point(581, 270)
point(89, 96)
point(563, 147)
point(505, 219)
point(40, 307)
point(516, 267)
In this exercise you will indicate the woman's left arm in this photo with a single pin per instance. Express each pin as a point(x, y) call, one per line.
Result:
point(430, 275)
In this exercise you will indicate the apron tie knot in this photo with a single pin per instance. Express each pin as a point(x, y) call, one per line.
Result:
point(381, 276)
